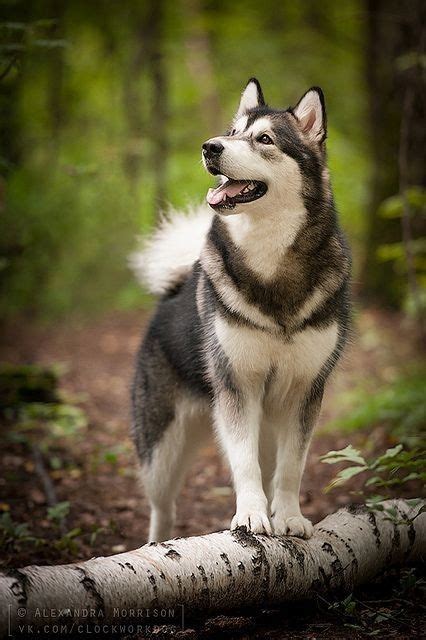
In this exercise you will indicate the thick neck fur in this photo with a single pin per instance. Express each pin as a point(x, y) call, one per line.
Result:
point(289, 264)
point(263, 237)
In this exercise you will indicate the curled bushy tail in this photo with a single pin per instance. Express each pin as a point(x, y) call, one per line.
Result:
point(165, 258)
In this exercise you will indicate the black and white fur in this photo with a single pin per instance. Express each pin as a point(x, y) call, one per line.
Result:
point(252, 319)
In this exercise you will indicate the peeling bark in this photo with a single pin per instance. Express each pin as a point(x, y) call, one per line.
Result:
point(222, 570)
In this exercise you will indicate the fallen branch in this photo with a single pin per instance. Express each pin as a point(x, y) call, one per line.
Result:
point(219, 571)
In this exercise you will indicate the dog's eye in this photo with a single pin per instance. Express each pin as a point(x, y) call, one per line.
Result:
point(233, 132)
point(265, 139)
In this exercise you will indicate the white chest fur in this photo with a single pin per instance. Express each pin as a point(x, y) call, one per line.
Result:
point(253, 353)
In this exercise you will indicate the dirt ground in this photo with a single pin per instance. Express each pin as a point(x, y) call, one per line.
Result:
point(98, 473)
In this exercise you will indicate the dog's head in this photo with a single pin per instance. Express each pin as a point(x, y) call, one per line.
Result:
point(266, 154)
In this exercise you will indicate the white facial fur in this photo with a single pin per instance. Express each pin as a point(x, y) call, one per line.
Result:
point(242, 161)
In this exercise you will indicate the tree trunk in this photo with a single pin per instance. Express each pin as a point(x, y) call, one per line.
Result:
point(219, 571)
point(133, 105)
point(200, 64)
point(148, 57)
point(395, 46)
point(159, 111)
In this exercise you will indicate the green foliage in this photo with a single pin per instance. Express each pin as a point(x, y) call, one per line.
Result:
point(400, 406)
point(411, 203)
point(59, 420)
point(15, 536)
point(389, 615)
point(395, 467)
point(393, 207)
point(13, 533)
point(58, 512)
point(32, 405)
point(26, 383)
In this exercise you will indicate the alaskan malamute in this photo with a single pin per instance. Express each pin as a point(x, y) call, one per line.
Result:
point(252, 318)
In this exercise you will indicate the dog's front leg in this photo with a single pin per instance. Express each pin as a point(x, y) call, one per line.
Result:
point(237, 421)
point(293, 442)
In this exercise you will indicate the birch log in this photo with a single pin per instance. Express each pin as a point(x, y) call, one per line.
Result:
point(219, 571)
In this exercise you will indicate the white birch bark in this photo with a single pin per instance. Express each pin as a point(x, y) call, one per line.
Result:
point(219, 571)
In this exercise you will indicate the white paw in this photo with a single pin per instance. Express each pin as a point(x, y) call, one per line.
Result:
point(292, 526)
point(254, 521)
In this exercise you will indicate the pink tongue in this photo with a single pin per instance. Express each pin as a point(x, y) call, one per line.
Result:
point(230, 189)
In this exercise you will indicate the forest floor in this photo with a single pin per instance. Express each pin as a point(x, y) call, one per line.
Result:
point(97, 472)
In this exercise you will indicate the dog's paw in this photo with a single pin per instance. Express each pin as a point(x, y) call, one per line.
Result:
point(297, 526)
point(254, 521)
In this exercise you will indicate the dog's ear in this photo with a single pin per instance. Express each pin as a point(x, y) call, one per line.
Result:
point(251, 97)
point(311, 115)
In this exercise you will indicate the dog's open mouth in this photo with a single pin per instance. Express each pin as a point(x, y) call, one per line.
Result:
point(233, 192)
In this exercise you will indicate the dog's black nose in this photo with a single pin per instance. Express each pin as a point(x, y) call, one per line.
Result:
point(212, 148)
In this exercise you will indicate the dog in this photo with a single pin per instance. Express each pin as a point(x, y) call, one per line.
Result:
point(253, 316)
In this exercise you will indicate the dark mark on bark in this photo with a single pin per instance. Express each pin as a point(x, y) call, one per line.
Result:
point(357, 509)
point(244, 537)
point(90, 586)
point(325, 579)
point(131, 567)
point(336, 564)
point(19, 587)
point(179, 581)
point(256, 560)
point(174, 555)
point(396, 537)
point(152, 579)
point(372, 520)
point(294, 551)
point(259, 560)
point(205, 592)
point(227, 564)
point(333, 534)
point(411, 534)
point(153, 582)
point(280, 572)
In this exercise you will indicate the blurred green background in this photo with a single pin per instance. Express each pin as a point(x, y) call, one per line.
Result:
point(105, 105)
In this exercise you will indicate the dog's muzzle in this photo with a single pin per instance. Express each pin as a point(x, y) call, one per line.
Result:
point(212, 149)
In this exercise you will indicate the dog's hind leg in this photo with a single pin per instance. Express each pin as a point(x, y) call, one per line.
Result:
point(164, 472)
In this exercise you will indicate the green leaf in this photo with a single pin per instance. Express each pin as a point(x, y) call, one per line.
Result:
point(388, 455)
point(372, 480)
point(58, 512)
point(345, 474)
point(348, 454)
point(393, 207)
